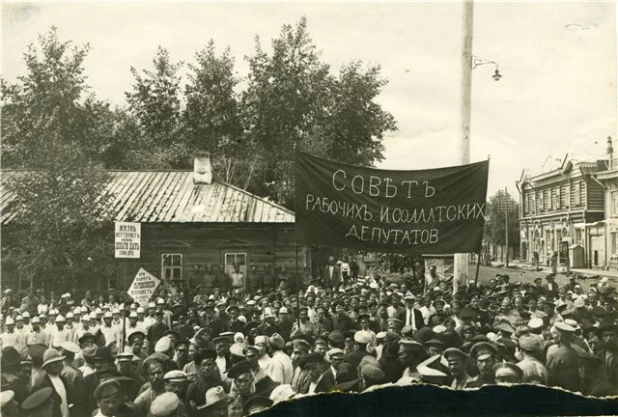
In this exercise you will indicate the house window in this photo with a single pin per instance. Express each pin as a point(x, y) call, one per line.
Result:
point(540, 201)
point(614, 203)
point(171, 266)
point(557, 199)
point(232, 258)
point(578, 236)
point(613, 241)
point(578, 193)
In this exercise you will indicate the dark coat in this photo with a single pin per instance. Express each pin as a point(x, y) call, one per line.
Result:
point(334, 280)
point(56, 399)
point(327, 382)
point(418, 316)
point(355, 357)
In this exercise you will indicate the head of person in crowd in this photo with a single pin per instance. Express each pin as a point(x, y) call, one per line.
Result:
point(507, 373)
point(125, 364)
point(10, 361)
point(108, 397)
point(235, 406)
point(154, 372)
point(176, 381)
point(457, 362)
point(252, 355)
point(411, 353)
point(207, 367)
point(301, 348)
point(320, 345)
point(243, 377)
point(485, 354)
point(103, 360)
point(315, 365)
point(136, 342)
point(216, 403)
point(52, 362)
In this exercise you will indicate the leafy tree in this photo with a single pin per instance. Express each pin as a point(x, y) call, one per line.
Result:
point(155, 109)
point(495, 225)
point(211, 117)
point(356, 123)
point(51, 106)
point(293, 102)
point(54, 129)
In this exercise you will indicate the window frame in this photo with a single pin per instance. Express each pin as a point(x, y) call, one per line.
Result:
point(172, 267)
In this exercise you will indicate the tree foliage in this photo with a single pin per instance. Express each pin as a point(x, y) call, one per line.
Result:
point(495, 225)
point(154, 105)
point(55, 130)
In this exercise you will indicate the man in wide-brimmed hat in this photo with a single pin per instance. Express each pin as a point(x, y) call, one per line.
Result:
point(11, 368)
point(52, 365)
point(215, 404)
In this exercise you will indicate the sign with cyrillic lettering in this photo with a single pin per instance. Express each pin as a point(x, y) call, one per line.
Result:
point(128, 239)
point(143, 286)
point(435, 211)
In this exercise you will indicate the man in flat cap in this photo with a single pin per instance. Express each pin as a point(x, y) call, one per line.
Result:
point(411, 353)
point(458, 367)
point(109, 399)
point(562, 365)
point(167, 405)
point(300, 380)
point(534, 371)
point(485, 355)
point(154, 372)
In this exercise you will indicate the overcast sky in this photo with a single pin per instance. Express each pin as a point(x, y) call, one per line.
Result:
point(558, 60)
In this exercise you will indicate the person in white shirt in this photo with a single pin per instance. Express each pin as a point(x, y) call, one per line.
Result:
point(281, 368)
point(59, 334)
point(109, 331)
point(36, 335)
point(261, 342)
point(11, 337)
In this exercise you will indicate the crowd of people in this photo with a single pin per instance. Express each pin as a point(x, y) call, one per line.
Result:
point(233, 352)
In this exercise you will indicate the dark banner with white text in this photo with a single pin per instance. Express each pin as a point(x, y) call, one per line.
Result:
point(434, 211)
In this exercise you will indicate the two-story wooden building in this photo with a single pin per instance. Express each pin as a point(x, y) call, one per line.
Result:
point(609, 180)
point(562, 208)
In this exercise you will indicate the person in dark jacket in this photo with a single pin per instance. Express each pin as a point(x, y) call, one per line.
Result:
point(320, 376)
point(11, 370)
point(389, 361)
point(105, 369)
point(562, 365)
point(593, 379)
point(207, 376)
point(52, 366)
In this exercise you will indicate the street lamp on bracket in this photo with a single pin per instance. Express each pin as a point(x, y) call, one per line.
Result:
point(478, 61)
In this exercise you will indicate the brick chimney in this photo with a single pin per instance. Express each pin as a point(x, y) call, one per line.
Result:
point(610, 153)
point(202, 169)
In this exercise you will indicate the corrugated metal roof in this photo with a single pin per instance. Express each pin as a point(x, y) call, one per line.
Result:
point(171, 197)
